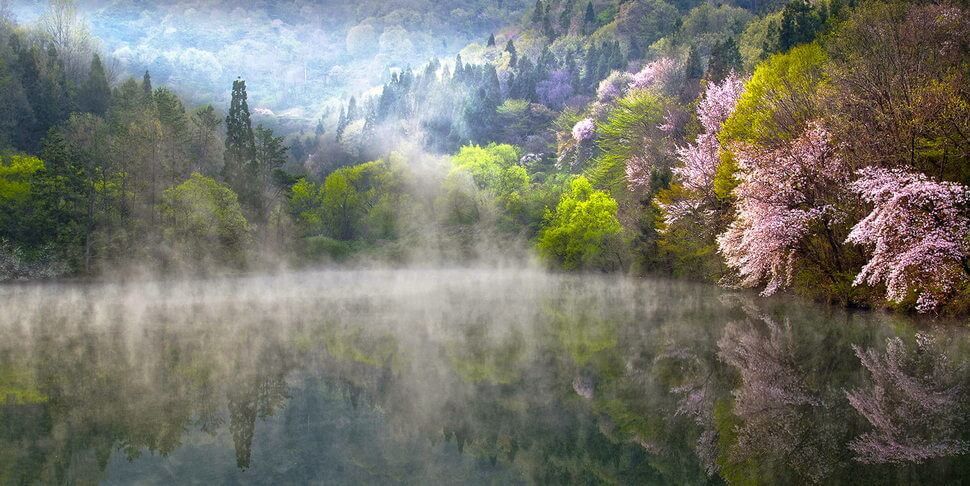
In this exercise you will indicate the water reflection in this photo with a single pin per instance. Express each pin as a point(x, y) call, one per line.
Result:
point(458, 376)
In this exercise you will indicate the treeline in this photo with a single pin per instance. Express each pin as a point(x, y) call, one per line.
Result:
point(94, 178)
point(820, 147)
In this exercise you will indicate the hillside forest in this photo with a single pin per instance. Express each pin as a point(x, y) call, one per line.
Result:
point(812, 147)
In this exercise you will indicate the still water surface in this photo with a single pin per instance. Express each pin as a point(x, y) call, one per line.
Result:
point(470, 376)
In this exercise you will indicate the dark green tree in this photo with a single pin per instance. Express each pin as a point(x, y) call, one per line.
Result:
point(491, 40)
point(513, 55)
point(693, 68)
point(725, 58)
point(800, 23)
point(589, 19)
point(538, 13)
point(239, 169)
point(96, 94)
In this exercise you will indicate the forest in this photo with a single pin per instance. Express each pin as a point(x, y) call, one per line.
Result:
point(811, 147)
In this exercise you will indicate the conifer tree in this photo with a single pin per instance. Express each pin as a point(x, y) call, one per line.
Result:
point(239, 169)
point(538, 12)
point(513, 55)
point(491, 40)
point(589, 19)
point(96, 94)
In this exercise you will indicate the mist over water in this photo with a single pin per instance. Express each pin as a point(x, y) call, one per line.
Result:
point(432, 376)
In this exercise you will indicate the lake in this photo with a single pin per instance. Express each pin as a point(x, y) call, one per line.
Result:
point(458, 376)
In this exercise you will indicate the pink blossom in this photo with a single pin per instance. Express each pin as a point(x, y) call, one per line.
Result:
point(584, 130)
point(700, 160)
point(638, 171)
point(613, 87)
point(657, 74)
point(919, 231)
point(781, 193)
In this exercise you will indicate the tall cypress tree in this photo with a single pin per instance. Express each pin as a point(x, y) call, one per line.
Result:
point(513, 55)
point(239, 170)
point(96, 94)
point(146, 85)
point(589, 19)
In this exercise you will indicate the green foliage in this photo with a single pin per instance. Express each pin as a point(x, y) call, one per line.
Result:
point(689, 250)
point(584, 223)
point(725, 179)
point(16, 172)
point(202, 218)
point(485, 164)
point(621, 137)
point(779, 99)
point(756, 41)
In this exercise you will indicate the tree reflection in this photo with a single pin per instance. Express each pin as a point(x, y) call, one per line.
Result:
point(917, 403)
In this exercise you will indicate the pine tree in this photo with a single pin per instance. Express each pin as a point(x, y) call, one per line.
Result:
point(693, 68)
point(566, 16)
point(725, 58)
point(538, 12)
point(799, 24)
point(459, 68)
point(146, 84)
point(589, 19)
point(239, 169)
point(513, 55)
point(341, 122)
point(491, 40)
point(96, 93)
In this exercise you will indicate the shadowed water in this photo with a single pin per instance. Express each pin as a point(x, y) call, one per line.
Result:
point(470, 376)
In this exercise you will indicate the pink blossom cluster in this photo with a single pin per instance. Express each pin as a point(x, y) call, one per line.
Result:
point(584, 130)
point(781, 193)
point(657, 74)
point(699, 160)
point(919, 232)
point(613, 87)
point(639, 169)
point(915, 404)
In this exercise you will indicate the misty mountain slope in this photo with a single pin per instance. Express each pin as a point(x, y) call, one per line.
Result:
point(297, 55)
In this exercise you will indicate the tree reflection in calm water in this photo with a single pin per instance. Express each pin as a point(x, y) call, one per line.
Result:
point(469, 376)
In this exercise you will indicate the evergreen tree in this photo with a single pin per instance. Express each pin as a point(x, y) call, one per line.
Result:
point(491, 40)
point(547, 29)
point(341, 122)
point(459, 69)
point(693, 68)
point(725, 58)
point(513, 55)
point(239, 169)
point(566, 16)
point(589, 19)
point(800, 22)
point(538, 13)
point(96, 94)
point(352, 110)
point(146, 85)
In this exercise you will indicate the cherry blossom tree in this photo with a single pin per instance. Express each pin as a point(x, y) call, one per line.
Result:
point(919, 232)
point(700, 160)
point(613, 87)
point(555, 89)
point(662, 74)
point(781, 193)
point(584, 130)
point(916, 404)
